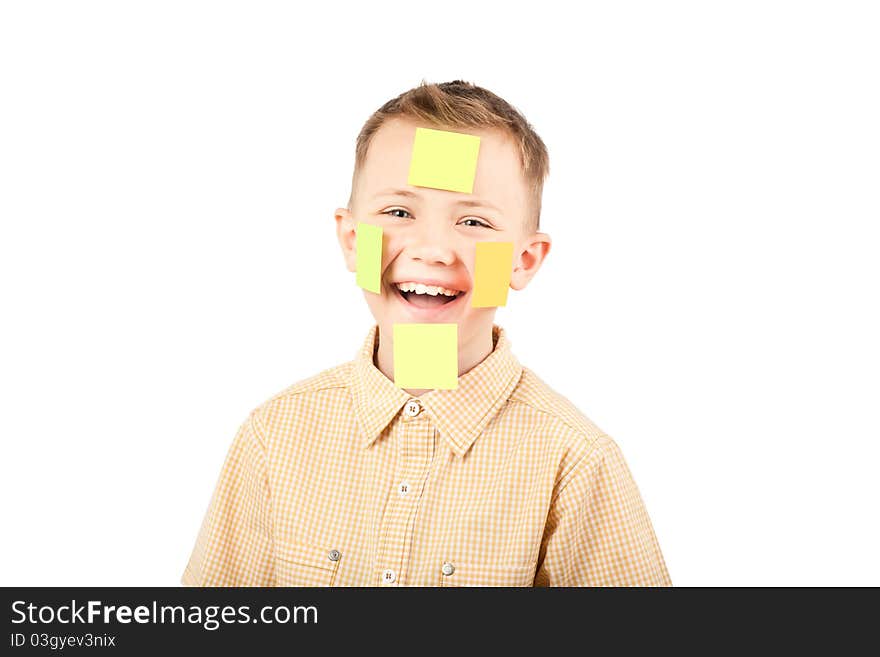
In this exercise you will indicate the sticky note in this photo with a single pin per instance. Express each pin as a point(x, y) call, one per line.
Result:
point(444, 160)
point(369, 256)
point(426, 356)
point(492, 266)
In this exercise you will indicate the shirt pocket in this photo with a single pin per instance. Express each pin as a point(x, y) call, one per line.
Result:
point(481, 574)
point(304, 564)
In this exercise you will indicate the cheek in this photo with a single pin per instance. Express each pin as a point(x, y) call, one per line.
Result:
point(372, 297)
point(377, 303)
point(468, 254)
point(392, 245)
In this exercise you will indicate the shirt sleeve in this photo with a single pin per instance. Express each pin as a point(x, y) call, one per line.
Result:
point(598, 532)
point(234, 544)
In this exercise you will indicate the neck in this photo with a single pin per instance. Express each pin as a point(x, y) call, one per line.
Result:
point(471, 353)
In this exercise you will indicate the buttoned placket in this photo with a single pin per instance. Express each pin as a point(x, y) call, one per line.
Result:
point(415, 437)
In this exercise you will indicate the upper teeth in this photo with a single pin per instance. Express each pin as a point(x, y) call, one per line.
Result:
point(419, 288)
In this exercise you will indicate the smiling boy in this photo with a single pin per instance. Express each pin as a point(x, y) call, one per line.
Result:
point(346, 479)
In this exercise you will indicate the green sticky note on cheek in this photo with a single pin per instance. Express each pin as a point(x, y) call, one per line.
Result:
point(368, 246)
point(444, 160)
point(426, 356)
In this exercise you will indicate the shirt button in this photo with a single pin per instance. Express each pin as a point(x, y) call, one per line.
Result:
point(403, 488)
point(413, 407)
point(334, 555)
point(388, 576)
point(447, 569)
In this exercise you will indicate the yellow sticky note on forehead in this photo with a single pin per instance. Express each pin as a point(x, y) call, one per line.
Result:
point(368, 246)
point(492, 266)
point(444, 160)
point(426, 356)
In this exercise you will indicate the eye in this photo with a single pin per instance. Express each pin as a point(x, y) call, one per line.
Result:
point(475, 222)
point(400, 213)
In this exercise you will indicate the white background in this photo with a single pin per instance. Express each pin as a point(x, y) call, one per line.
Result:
point(168, 175)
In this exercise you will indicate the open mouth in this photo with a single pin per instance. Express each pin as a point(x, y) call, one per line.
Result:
point(426, 296)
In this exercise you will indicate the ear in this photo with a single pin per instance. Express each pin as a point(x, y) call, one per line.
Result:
point(527, 262)
point(346, 233)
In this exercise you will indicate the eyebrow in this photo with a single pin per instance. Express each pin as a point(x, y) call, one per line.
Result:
point(396, 192)
point(476, 203)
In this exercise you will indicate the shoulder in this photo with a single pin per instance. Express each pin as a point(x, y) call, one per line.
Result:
point(552, 408)
point(572, 434)
point(327, 389)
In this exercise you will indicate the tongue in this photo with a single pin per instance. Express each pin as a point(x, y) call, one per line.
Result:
point(426, 300)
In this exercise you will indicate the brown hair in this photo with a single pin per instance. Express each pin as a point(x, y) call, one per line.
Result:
point(460, 104)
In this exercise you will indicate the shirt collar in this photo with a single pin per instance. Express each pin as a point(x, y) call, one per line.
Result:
point(460, 415)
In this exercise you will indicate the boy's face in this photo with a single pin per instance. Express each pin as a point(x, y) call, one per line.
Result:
point(430, 235)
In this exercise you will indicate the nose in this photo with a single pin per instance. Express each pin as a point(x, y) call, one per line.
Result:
point(431, 246)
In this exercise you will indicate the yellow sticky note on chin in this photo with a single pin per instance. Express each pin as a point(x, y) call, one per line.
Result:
point(426, 356)
point(368, 246)
point(492, 266)
point(444, 160)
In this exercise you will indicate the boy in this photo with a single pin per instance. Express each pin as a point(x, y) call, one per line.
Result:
point(346, 479)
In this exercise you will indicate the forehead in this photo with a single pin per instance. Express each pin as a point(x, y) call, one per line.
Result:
point(499, 176)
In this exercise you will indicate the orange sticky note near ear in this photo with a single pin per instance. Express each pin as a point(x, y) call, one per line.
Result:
point(444, 160)
point(492, 266)
point(426, 356)
point(368, 245)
